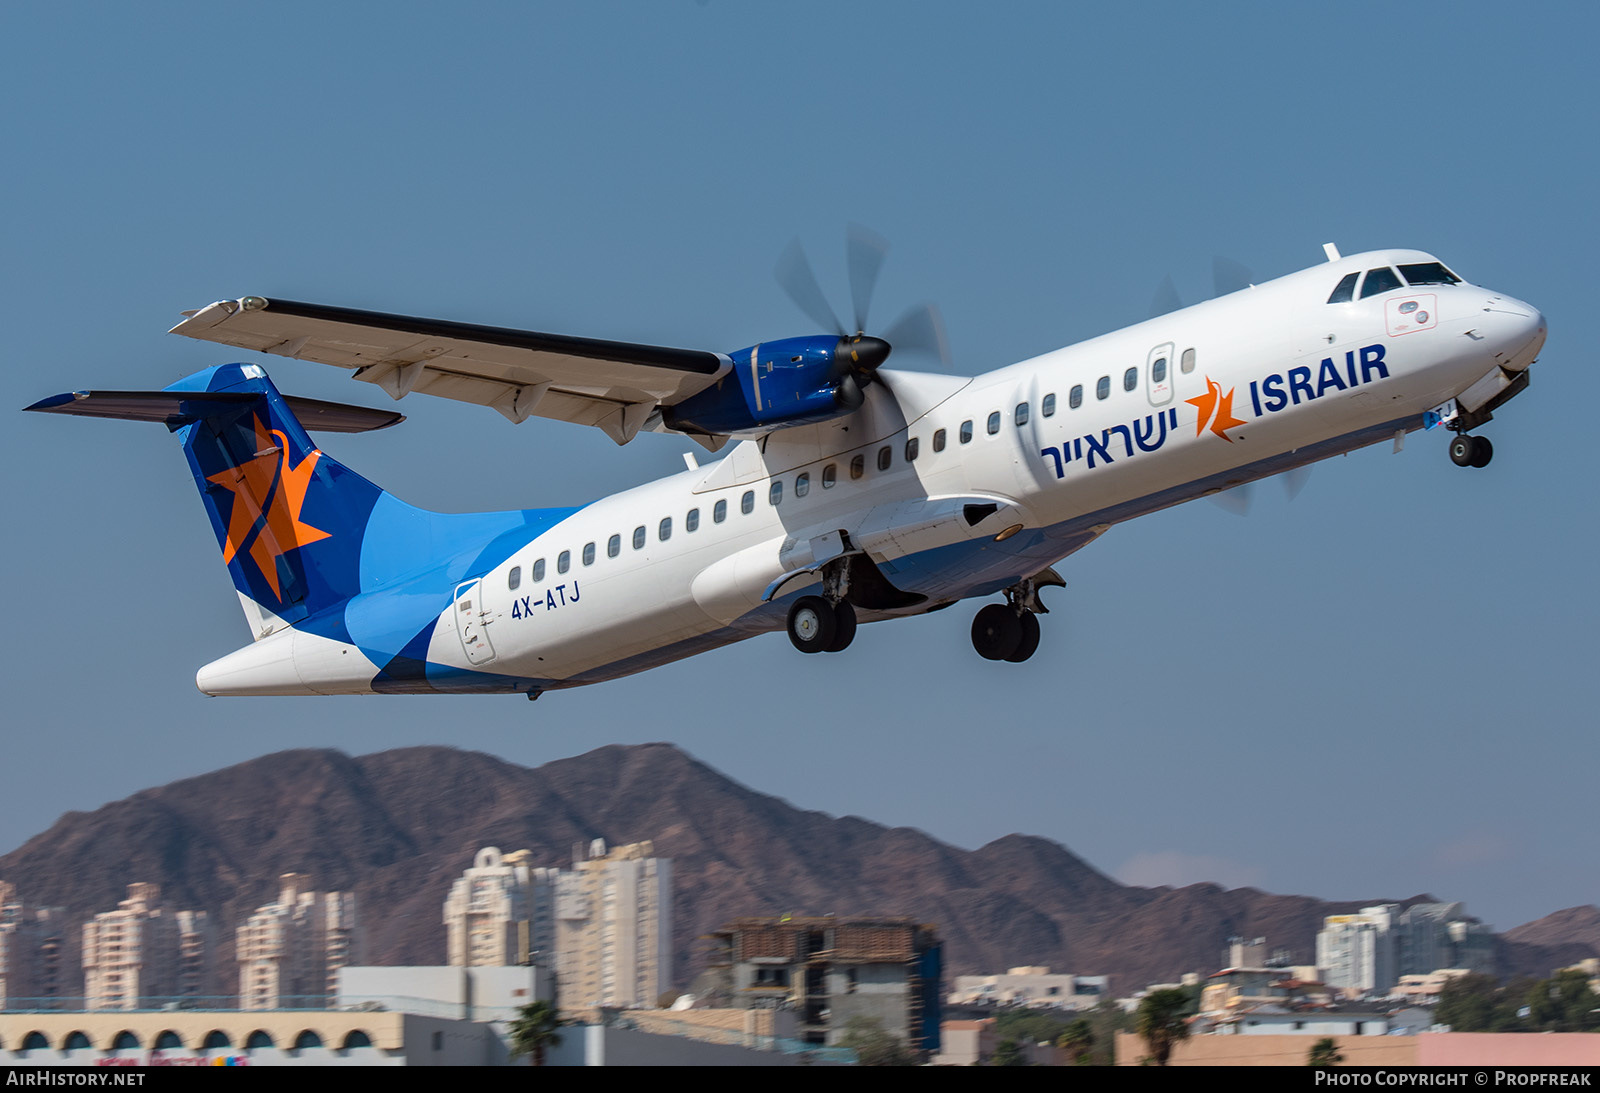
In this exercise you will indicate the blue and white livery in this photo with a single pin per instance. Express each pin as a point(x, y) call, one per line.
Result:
point(848, 492)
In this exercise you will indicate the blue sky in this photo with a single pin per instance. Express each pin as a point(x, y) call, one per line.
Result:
point(1384, 688)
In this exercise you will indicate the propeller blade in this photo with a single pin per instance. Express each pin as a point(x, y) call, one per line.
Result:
point(850, 396)
point(1166, 300)
point(795, 276)
point(1295, 479)
point(1229, 276)
point(1237, 500)
point(864, 251)
point(920, 330)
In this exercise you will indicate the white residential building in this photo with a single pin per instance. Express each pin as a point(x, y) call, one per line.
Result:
point(500, 911)
point(1031, 985)
point(1370, 951)
point(290, 952)
point(143, 954)
point(614, 927)
point(1357, 952)
point(605, 926)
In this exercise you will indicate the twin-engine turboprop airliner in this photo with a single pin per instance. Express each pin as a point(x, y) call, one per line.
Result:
point(852, 494)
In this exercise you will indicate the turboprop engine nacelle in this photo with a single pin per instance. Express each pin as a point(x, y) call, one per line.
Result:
point(795, 381)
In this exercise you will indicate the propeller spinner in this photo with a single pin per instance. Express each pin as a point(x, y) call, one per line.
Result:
point(859, 355)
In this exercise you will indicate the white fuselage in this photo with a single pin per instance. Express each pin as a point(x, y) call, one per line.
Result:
point(1253, 383)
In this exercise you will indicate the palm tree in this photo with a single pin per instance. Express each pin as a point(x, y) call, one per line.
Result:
point(534, 1030)
point(1163, 1021)
point(1325, 1053)
point(1077, 1040)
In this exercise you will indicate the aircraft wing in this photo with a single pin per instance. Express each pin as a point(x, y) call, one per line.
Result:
point(615, 386)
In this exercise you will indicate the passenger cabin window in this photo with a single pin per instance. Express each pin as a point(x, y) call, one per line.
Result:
point(638, 537)
point(830, 475)
point(747, 503)
point(938, 440)
point(858, 466)
point(994, 423)
point(514, 578)
point(775, 493)
point(563, 561)
point(664, 529)
point(885, 457)
point(911, 448)
point(1187, 363)
point(719, 512)
point(1428, 273)
point(1345, 290)
point(538, 571)
point(1158, 371)
point(1379, 280)
point(966, 432)
point(1130, 379)
point(588, 554)
point(1020, 415)
point(613, 546)
point(1075, 396)
point(1048, 406)
point(802, 485)
point(1102, 387)
point(691, 520)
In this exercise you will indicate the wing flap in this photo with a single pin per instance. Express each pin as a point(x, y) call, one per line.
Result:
point(614, 386)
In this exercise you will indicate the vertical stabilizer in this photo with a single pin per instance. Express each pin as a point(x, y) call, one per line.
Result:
point(289, 519)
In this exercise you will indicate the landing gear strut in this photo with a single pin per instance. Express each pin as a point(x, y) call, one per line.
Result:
point(1010, 631)
point(1470, 451)
point(825, 623)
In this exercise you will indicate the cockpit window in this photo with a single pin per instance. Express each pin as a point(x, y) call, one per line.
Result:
point(1379, 280)
point(1428, 273)
point(1345, 290)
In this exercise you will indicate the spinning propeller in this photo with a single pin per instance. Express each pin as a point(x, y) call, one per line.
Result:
point(920, 329)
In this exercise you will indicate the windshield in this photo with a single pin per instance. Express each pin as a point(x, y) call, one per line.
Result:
point(1428, 273)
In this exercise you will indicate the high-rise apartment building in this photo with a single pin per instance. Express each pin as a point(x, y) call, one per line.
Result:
point(1370, 951)
point(290, 952)
point(30, 952)
point(605, 927)
point(614, 927)
point(500, 911)
point(143, 955)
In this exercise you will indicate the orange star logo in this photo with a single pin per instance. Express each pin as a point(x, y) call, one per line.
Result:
point(277, 524)
point(1214, 399)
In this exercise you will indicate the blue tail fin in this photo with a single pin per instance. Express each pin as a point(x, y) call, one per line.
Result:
point(305, 537)
point(289, 519)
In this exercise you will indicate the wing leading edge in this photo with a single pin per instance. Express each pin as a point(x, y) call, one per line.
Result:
point(616, 387)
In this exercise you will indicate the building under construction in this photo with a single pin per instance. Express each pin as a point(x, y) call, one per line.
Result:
point(832, 971)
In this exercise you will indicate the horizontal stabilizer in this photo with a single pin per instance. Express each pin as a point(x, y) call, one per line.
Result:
point(176, 408)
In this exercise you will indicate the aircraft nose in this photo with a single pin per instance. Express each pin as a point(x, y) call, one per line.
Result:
point(1521, 331)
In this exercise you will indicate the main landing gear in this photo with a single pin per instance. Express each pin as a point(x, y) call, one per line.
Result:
point(815, 626)
point(825, 623)
point(1010, 631)
point(1470, 451)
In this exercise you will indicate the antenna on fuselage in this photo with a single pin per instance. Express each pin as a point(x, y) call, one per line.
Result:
point(1331, 251)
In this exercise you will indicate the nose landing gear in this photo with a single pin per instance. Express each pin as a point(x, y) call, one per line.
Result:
point(1470, 451)
point(1000, 633)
